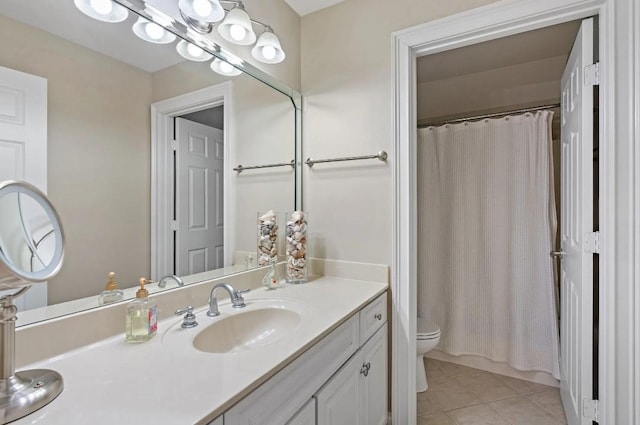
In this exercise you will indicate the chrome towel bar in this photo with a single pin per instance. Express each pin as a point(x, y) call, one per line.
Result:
point(382, 156)
point(241, 168)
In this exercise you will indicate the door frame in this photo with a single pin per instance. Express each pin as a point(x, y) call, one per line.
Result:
point(162, 170)
point(619, 116)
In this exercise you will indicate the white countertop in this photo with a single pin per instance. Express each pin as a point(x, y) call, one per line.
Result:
point(161, 382)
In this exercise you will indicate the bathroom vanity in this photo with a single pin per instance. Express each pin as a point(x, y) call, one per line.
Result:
point(301, 354)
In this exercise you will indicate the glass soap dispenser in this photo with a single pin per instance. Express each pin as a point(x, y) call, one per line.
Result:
point(142, 316)
point(111, 293)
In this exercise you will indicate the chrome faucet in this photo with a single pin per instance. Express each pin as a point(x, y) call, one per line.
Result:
point(236, 299)
point(163, 282)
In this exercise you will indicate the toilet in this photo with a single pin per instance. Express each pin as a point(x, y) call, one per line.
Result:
point(428, 337)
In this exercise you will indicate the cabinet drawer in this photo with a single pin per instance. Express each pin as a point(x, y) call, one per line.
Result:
point(372, 317)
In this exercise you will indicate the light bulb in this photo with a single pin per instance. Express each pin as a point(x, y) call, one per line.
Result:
point(154, 31)
point(269, 52)
point(225, 67)
point(238, 32)
point(103, 7)
point(194, 50)
point(202, 7)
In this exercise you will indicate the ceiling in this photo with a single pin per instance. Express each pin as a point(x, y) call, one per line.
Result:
point(304, 7)
point(502, 52)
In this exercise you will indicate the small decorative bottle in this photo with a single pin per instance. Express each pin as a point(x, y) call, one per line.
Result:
point(270, 280)
point(111, 293)
point(142, 316)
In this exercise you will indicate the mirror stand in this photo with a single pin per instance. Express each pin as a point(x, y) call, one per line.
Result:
point(23, 392)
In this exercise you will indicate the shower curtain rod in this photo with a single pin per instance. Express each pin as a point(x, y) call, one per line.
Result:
point(494, 115)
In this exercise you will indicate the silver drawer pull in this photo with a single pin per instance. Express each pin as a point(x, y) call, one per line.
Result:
point(365, 369)
point(378, 316)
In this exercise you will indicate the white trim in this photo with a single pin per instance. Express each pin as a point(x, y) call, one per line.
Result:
point(162, 114)
point(619, 356)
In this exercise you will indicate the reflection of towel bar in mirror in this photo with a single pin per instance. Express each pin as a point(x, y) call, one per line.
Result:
point(241, 168)
point(382, 156)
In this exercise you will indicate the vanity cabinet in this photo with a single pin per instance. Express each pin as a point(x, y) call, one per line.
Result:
point(327, 379)
point(357, 393)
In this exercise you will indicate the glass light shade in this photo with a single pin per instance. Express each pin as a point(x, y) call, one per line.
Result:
point(152, 32)
point(102, 10)
point(202, 10)
point(192, 52)
point(224, 68)
point(231, 29)
point(268, 49)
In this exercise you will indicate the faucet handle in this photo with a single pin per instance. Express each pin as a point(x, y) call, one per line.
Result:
point(239, 301)
point(189, 318)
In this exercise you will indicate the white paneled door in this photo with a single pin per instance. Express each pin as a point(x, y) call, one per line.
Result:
point(576, 271)
point(199, 198)
point(23, 146)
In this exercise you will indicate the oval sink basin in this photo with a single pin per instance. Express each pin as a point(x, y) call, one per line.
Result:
point(247, 330)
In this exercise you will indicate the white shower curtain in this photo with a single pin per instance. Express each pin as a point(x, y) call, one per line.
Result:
point(486, 225)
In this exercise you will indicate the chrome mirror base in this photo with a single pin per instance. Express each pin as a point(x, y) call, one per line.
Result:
point(24, 392)
point(27, 391)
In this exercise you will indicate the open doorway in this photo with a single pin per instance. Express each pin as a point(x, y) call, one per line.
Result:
point(461, 95)
point(486, 23)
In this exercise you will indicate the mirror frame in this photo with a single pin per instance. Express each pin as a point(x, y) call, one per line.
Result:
point(137, 7)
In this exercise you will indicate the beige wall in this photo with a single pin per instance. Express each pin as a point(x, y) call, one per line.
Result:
point(98, 156)
point(346, 81)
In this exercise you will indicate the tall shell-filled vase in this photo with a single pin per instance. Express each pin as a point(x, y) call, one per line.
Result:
point(296, 241)
point(267, 238)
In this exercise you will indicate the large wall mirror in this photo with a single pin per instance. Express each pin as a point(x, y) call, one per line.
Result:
point(113, 101)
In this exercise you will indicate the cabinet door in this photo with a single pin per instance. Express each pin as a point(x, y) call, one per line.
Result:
point(373, 380)
point(216, 421)
point(306, 415)
point(337, 400)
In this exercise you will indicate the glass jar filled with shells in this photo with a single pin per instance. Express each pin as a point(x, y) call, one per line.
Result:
point(267, 238)
point(296, 242)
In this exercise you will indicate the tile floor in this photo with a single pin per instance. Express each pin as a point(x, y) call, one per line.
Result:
point(460, 395)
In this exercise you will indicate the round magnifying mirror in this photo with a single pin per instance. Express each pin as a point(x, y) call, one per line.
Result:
point(31, 236)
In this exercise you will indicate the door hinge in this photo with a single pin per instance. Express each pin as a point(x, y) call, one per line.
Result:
point(592, 74)
point(173, 226)
point(590, 409)
point(174, 145)
point(592, 242)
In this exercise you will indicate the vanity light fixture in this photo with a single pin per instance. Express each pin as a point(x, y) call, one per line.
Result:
point(202, 10)
point(224, 68)
point(267, 48)
point(152, 32)
point(192, 52)
point(237, 27)
point(102, 10)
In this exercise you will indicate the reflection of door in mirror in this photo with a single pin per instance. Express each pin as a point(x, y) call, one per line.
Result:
point(199, 241)
point(23, 145)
